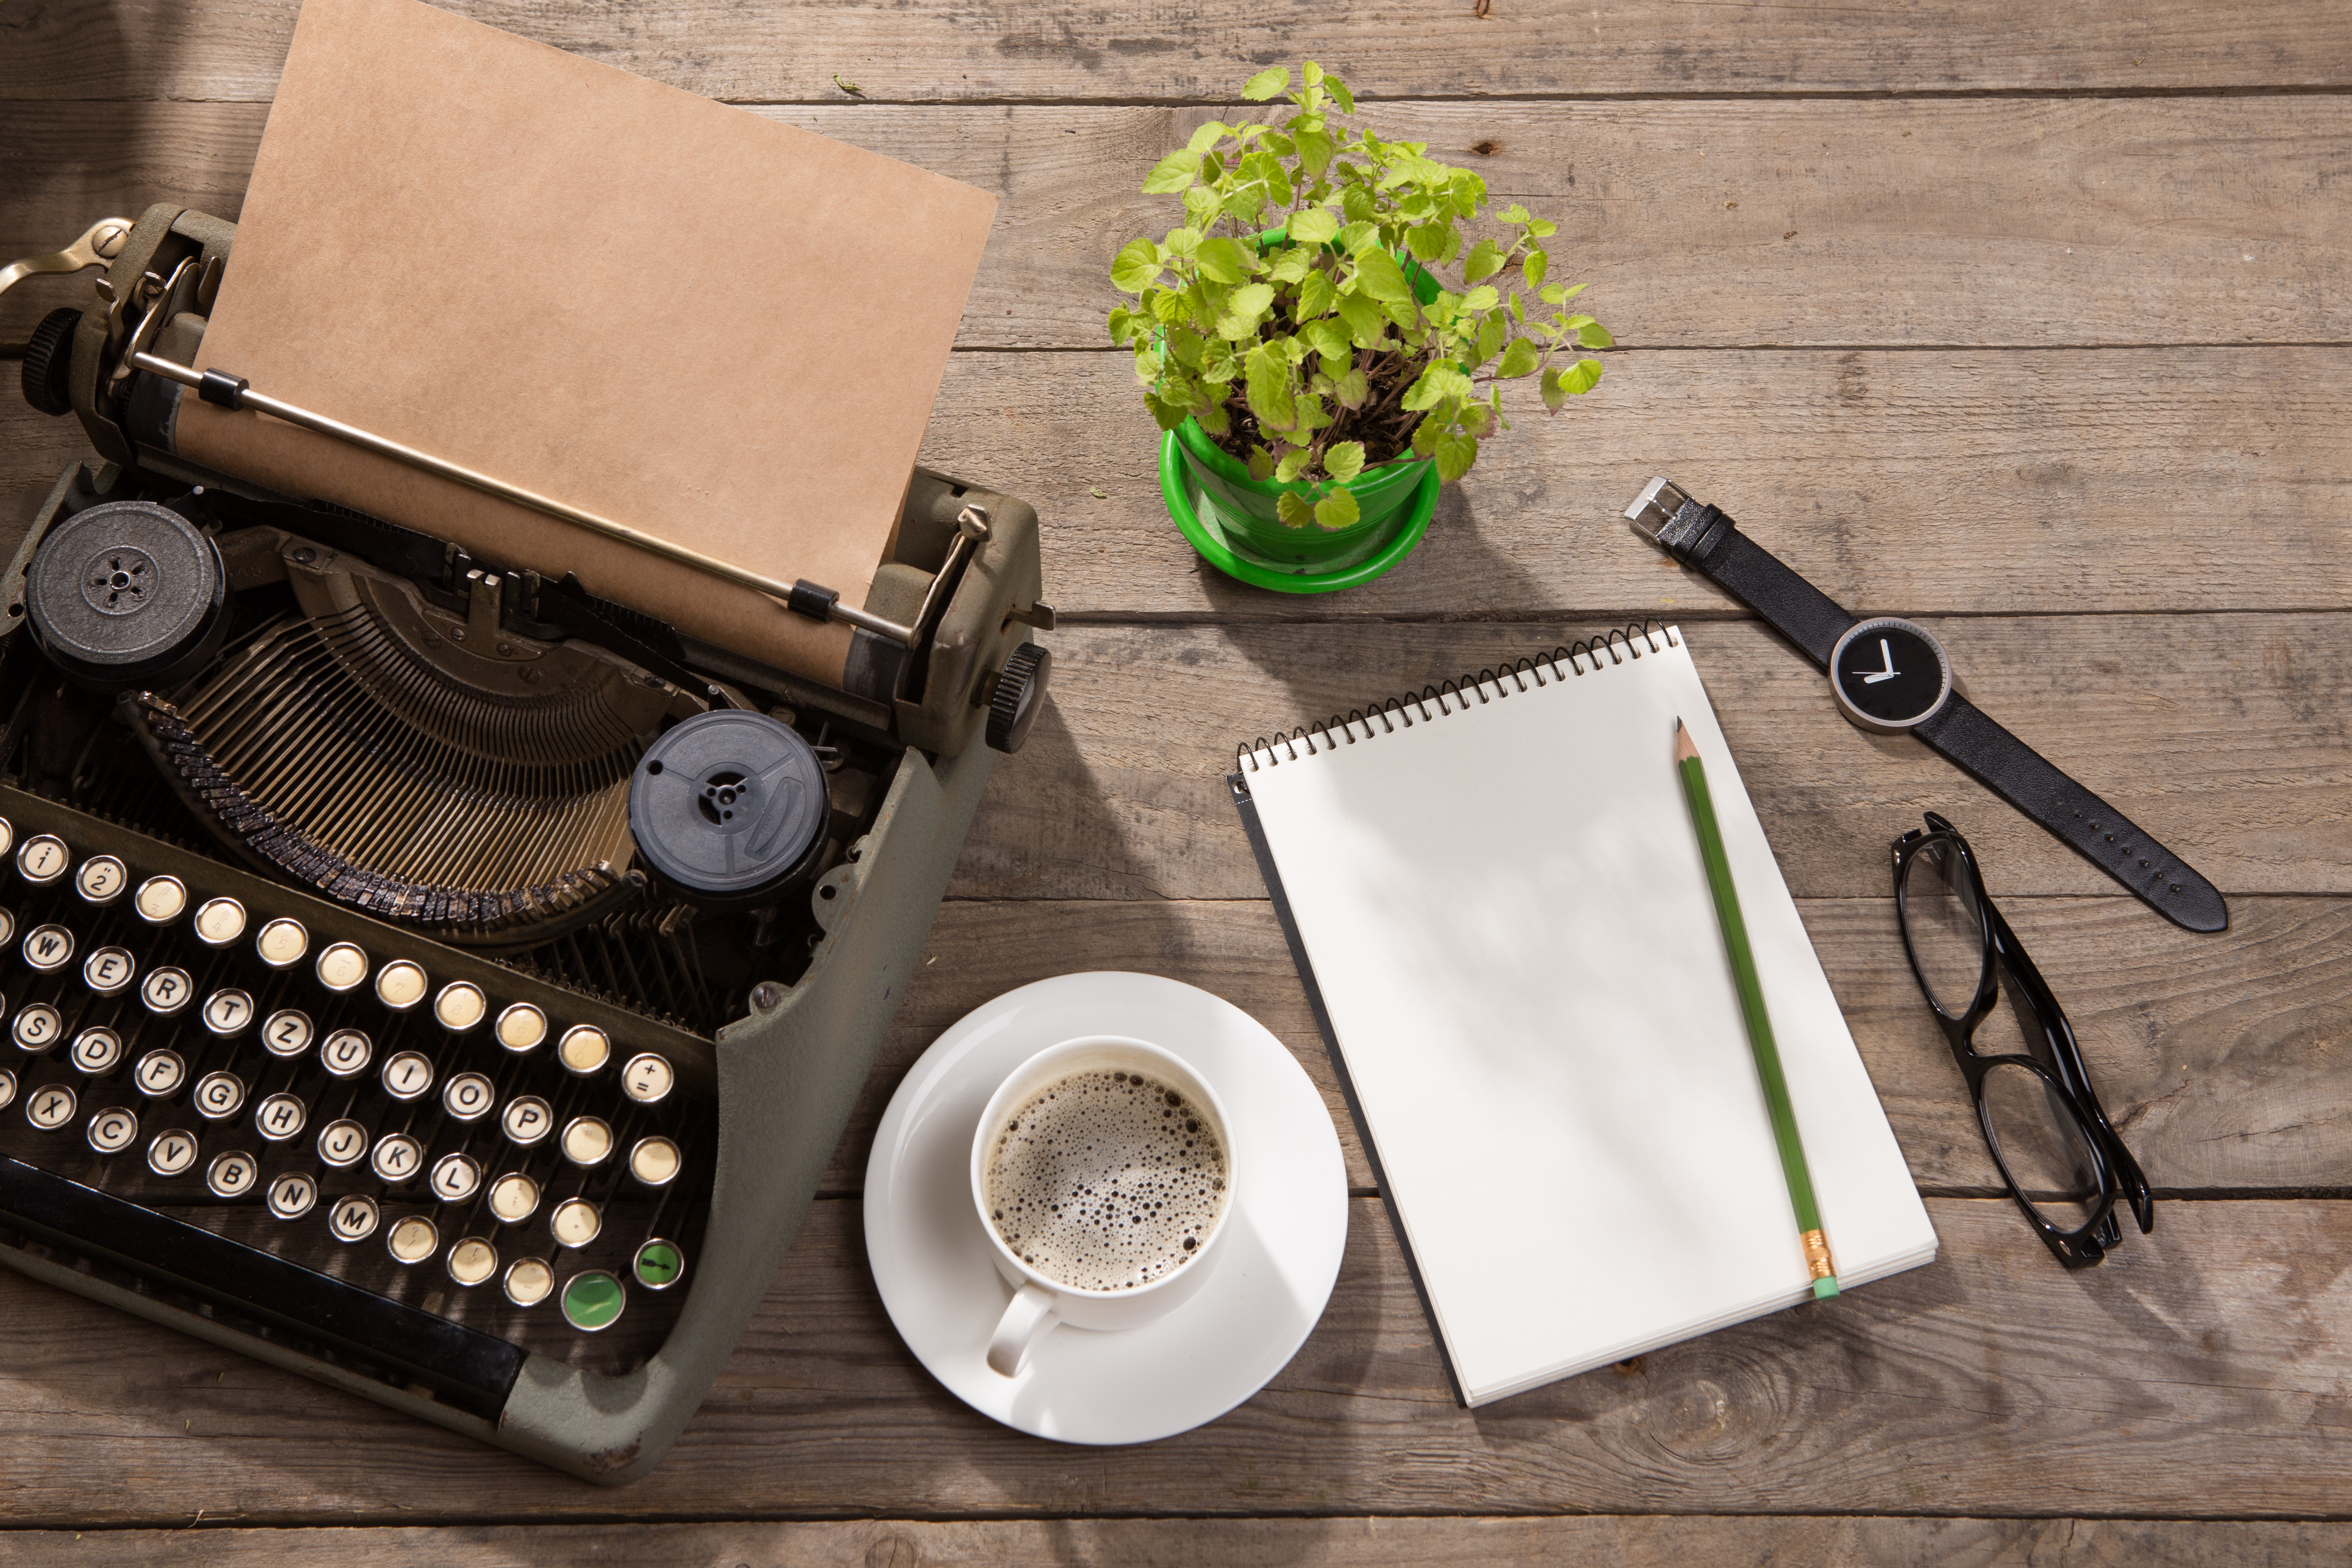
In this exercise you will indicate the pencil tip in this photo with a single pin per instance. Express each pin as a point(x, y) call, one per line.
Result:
point(1684, 747)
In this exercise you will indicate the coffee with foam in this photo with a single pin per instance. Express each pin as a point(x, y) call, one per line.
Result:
point(1106, 1180)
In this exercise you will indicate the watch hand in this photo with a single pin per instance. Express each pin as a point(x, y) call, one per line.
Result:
point(1885, 658)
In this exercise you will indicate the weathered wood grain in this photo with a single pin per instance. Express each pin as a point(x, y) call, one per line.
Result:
point(2206, 1362)
point(2227, 1061)
point(2222, 735)
point(946, 49)
point(1986, 222)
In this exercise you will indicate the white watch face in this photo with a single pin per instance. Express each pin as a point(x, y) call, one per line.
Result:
point(1889, 674)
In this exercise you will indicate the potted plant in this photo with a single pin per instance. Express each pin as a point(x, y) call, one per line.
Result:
point(1315, 367)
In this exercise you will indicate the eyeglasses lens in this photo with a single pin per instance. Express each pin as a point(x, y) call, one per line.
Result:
point(2048, 1156)
point(1941, 918)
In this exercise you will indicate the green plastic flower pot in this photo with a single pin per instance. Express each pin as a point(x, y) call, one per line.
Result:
point(1244, 508)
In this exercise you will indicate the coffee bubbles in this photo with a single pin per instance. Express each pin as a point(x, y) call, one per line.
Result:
point(1106, 1180)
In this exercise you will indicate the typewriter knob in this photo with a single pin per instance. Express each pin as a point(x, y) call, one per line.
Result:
point(1014, 695)
point(48, 362)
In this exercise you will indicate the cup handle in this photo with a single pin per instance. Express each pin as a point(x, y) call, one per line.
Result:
point(1024, 1322)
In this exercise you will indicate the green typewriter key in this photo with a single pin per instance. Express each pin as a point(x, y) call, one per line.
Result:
point(659, 1264)
point(592, 1300)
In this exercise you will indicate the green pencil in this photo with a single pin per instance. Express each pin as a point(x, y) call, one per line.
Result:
point(1751, 1007)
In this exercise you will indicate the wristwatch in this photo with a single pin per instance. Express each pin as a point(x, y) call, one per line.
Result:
point(1893, 677)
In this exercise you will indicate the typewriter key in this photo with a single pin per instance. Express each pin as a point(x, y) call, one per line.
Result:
point(342, 967)
point(468, 1097)
point(658, 1264)
point(353, 1218)
point(340, 1143)
point(286, 1033)
point(96, 1051)
point(584, 1049)
point(160, 900)
point(455, 1178)
point(160, 1074)
point(460, 1006)
point(472, 1260)
point(48, 947)
point(102, 880)
point(407, 1075)
point(397, 1157)
point(172, 1152)
point(514, 1197)
point(400, 985)
point(655, 1162)
point(7, 834)
point(587, 1141)
point(43, 859)
point(282, 943)
point(166, 991)
point(281, 1116)
point(526, 1120)
point(575, 1222)
point(219, 1096)
point(49, 1107)
point(346, 1053)
point(219, 922)
point(413, 1239)
point(227, 1011)
point(521, 1027)
point(37, 1028)
point(647, 1079)
point(108, 970)
point(528, 1282)
point(592, 1300)
point(113, 1130)
point(231, 1175)
point(7, 1089)
point(7, 928)
point(291, 1196)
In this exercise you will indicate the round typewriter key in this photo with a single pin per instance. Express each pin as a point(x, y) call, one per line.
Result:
point(280, 1117)
point(287, 1032)
point(658, 1264)
point(472, 1260)
point(102, 880)
point(340, 1143)
point(160, 900)
point(455, 1178)
point(292, 1195)
point(227, 1011)
point(521, 1027)
point(353, 1218)
point(167, 991)
point(7, 834)
point(407, 1075)
point(219, 922)
point(108, 970)
point(655, 1162)
point(400, 985)
point(7, 1089)
point(584, 1049)
point(526, 1120)
point(48, 947)
point(37, 1028)
point(592, 1300)
point(113, 1130)
point(96, 1051)
point(7, 928)
point(160, 1073)
point(413, 1239)
point(231, 1175)
point(43, 858)
point(342, 967)
point(514, 1197)
point(282, 943)
point(346, 1053)
point(528, 1282)
point(647, 1079)
point(49, 1107)
point(587, 1141)
point(468, 1097)
point(460, 1006)
point(575, 1222)
point(397, 1157)
point(172, 1152)
point(219, 1096)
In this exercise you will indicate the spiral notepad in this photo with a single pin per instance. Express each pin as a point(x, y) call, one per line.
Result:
point(1494, 895)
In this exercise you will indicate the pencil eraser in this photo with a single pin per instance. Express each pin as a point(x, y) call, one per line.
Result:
point(1825, 1287)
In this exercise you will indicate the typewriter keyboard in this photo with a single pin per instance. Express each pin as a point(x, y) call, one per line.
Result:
point(397, 1153)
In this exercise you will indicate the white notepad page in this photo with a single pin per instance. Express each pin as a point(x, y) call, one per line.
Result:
point(1506, 914)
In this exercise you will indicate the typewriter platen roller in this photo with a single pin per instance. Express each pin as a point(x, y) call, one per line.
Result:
point(421, 971)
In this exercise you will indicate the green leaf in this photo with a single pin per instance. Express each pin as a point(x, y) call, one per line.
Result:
point(1168, 306)
point(1454, 453)
point(1337, 508)
point(1491, 333)
point(1519, 360)
point(1344, 460)
point(1379, 276)
point(1485, 259)
point(1215, 420)
point(1135, 266)
point(1316, 152)
point(850, 87)
point(1542, 228)
point(1339, 94)
point(1291, 266)
point(1201, 206)
point(1181, 242)
point(1122, 322)
point(1428, 241)
point(1567, 294)
point(1223, 260)
point(1206, 137)
point(1261, 464)
point(1267, 381)
point(1310, 74)
point(1293, 509)
point(1186, 345)
point(1244, 308)
point(1315, 295)
point(1171, 173)
point(1593, 335)
point(1166, 414)
point(1582, 377)
point(1293, 460)
point(1362, 319)
point(1482, 297)
point(1266, 84)
point(1328, 336)
point(1351, 390)
point(1533, 267)
point(1314, 225)
point(1552, 294)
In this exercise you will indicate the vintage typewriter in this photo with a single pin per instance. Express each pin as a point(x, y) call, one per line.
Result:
point(420, 972)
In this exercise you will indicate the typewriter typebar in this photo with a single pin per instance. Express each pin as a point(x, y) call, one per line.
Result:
point(416, 971)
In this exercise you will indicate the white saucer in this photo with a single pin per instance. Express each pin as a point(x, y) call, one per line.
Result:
point(1273, 1272)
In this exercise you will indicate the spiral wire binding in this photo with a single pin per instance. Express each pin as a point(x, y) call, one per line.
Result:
point(1454, 696)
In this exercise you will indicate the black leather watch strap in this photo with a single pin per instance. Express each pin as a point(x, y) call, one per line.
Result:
point(1704, 537)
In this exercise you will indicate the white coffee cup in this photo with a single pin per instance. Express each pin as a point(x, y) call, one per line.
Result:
point(1040, 1301)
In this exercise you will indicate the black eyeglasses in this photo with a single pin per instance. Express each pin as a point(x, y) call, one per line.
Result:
point(2064, 1161)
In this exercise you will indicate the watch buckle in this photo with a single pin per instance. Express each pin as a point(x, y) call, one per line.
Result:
point(1655, 507)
